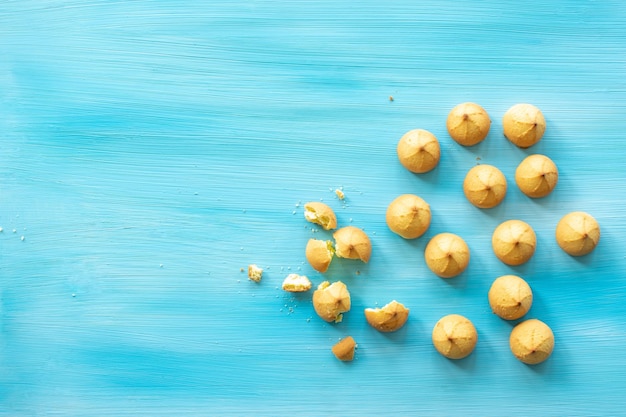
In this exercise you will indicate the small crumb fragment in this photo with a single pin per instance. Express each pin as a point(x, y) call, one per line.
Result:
point(296, 283)
point(255, 273)
point(344, 349)
point(340, 194)
point(22, 238)
point(1, 230)
point(390, 98)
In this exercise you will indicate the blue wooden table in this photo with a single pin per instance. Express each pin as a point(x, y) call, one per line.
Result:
point(152, 149)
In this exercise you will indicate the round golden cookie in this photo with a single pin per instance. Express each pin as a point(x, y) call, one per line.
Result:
point(447, 255)
point(408, 216)
point(510, 297)
point(454, 336)
point(523, 125)
point(532, 341)
point(484, 186)
point(578, 233)
point(514, 242)
point(536, 176)
point(468, 124)
point(418, 151)
point(352, 243)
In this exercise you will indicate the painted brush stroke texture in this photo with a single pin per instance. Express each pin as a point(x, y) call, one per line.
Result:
point(151, 149)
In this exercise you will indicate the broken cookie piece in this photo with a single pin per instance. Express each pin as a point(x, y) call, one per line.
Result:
point(352, 243)
point(330, 301)
point(319, 253)
point(255, 273)
point(344, 349)
point(389, 318)
point(321, 214)
point(296, 283)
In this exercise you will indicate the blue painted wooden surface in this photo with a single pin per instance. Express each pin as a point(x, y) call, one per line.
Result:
point(151, 149)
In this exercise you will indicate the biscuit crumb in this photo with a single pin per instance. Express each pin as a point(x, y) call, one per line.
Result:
point(340, 194)
point(390, 98)
point(255, 273)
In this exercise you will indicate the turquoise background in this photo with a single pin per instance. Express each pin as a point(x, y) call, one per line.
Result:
point(150, 149)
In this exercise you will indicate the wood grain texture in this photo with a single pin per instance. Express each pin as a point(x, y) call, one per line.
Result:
point(151, 149)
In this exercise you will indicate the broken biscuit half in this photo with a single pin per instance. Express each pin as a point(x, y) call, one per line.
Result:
point(388, 318)
point(320, 214)
point(319, 253)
